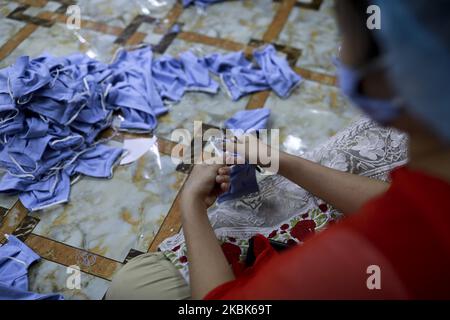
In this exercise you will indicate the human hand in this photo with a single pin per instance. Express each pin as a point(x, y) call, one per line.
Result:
point(248, 148)
point(205, 184)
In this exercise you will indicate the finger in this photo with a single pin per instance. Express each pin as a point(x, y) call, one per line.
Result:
point(222, 179)
point(225, 186)
point(230, 160)
point(210, 169)
point(225, 171)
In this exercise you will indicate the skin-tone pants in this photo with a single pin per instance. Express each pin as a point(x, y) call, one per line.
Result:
point(149, 276)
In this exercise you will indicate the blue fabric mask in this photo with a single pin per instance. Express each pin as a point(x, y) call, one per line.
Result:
point(15, 259)
point(382, 111)
point(279, 75)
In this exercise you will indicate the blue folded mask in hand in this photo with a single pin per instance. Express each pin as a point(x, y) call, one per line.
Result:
point(243, 176)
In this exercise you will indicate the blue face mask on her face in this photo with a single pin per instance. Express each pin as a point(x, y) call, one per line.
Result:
point(382, 111)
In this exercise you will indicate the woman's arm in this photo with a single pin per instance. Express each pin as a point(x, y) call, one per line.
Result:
point(344, 191)
point(208, 267)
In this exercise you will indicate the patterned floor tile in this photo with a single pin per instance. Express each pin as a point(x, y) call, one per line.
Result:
point(208, 108)
point(109, 217)
point(49, 277)
point(312, 114)
point(316, 34)
point(233, 20)
point(6, 7)
point(9, 27)
point(50, 6)
point(120, 13)
point(60, 41)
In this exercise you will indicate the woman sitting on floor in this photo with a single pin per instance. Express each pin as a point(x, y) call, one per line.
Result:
point(394, 241)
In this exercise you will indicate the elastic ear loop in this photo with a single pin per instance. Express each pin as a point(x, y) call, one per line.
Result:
point(67, 139)
point(9, 118)
point(16, 260)
point(12, 258)
point(103, 96)
point(54, 79)
point(26, 99)
point(20, 167)
point(18, 101)
point(8, 82)
point(88, 93)
point(63, 164)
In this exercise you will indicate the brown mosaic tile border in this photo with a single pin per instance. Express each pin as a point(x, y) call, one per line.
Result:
point(33, 3)
point(132, 28)
point(210, 41)
point(16, 40)
point(19, 15)
point(3, 213)
point(12, 220)
point(279, 20)
point(66, 255)
point(170, 19)
point(26, 227)
point(317, 77)
point(257, 100)
point(170, 226)
point(165, 42)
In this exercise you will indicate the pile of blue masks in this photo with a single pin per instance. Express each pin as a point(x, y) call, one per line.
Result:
point(52, 110)
point(15, 259)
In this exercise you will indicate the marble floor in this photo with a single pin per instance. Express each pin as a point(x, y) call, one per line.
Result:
point(107, 222)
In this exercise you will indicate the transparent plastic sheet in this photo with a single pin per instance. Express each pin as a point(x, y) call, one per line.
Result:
point(86, 47)
point(137, 197)
point(120, 13)
point(148, 169)
point(149, 7)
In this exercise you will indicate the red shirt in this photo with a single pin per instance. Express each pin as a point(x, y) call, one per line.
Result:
point(405, 232)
